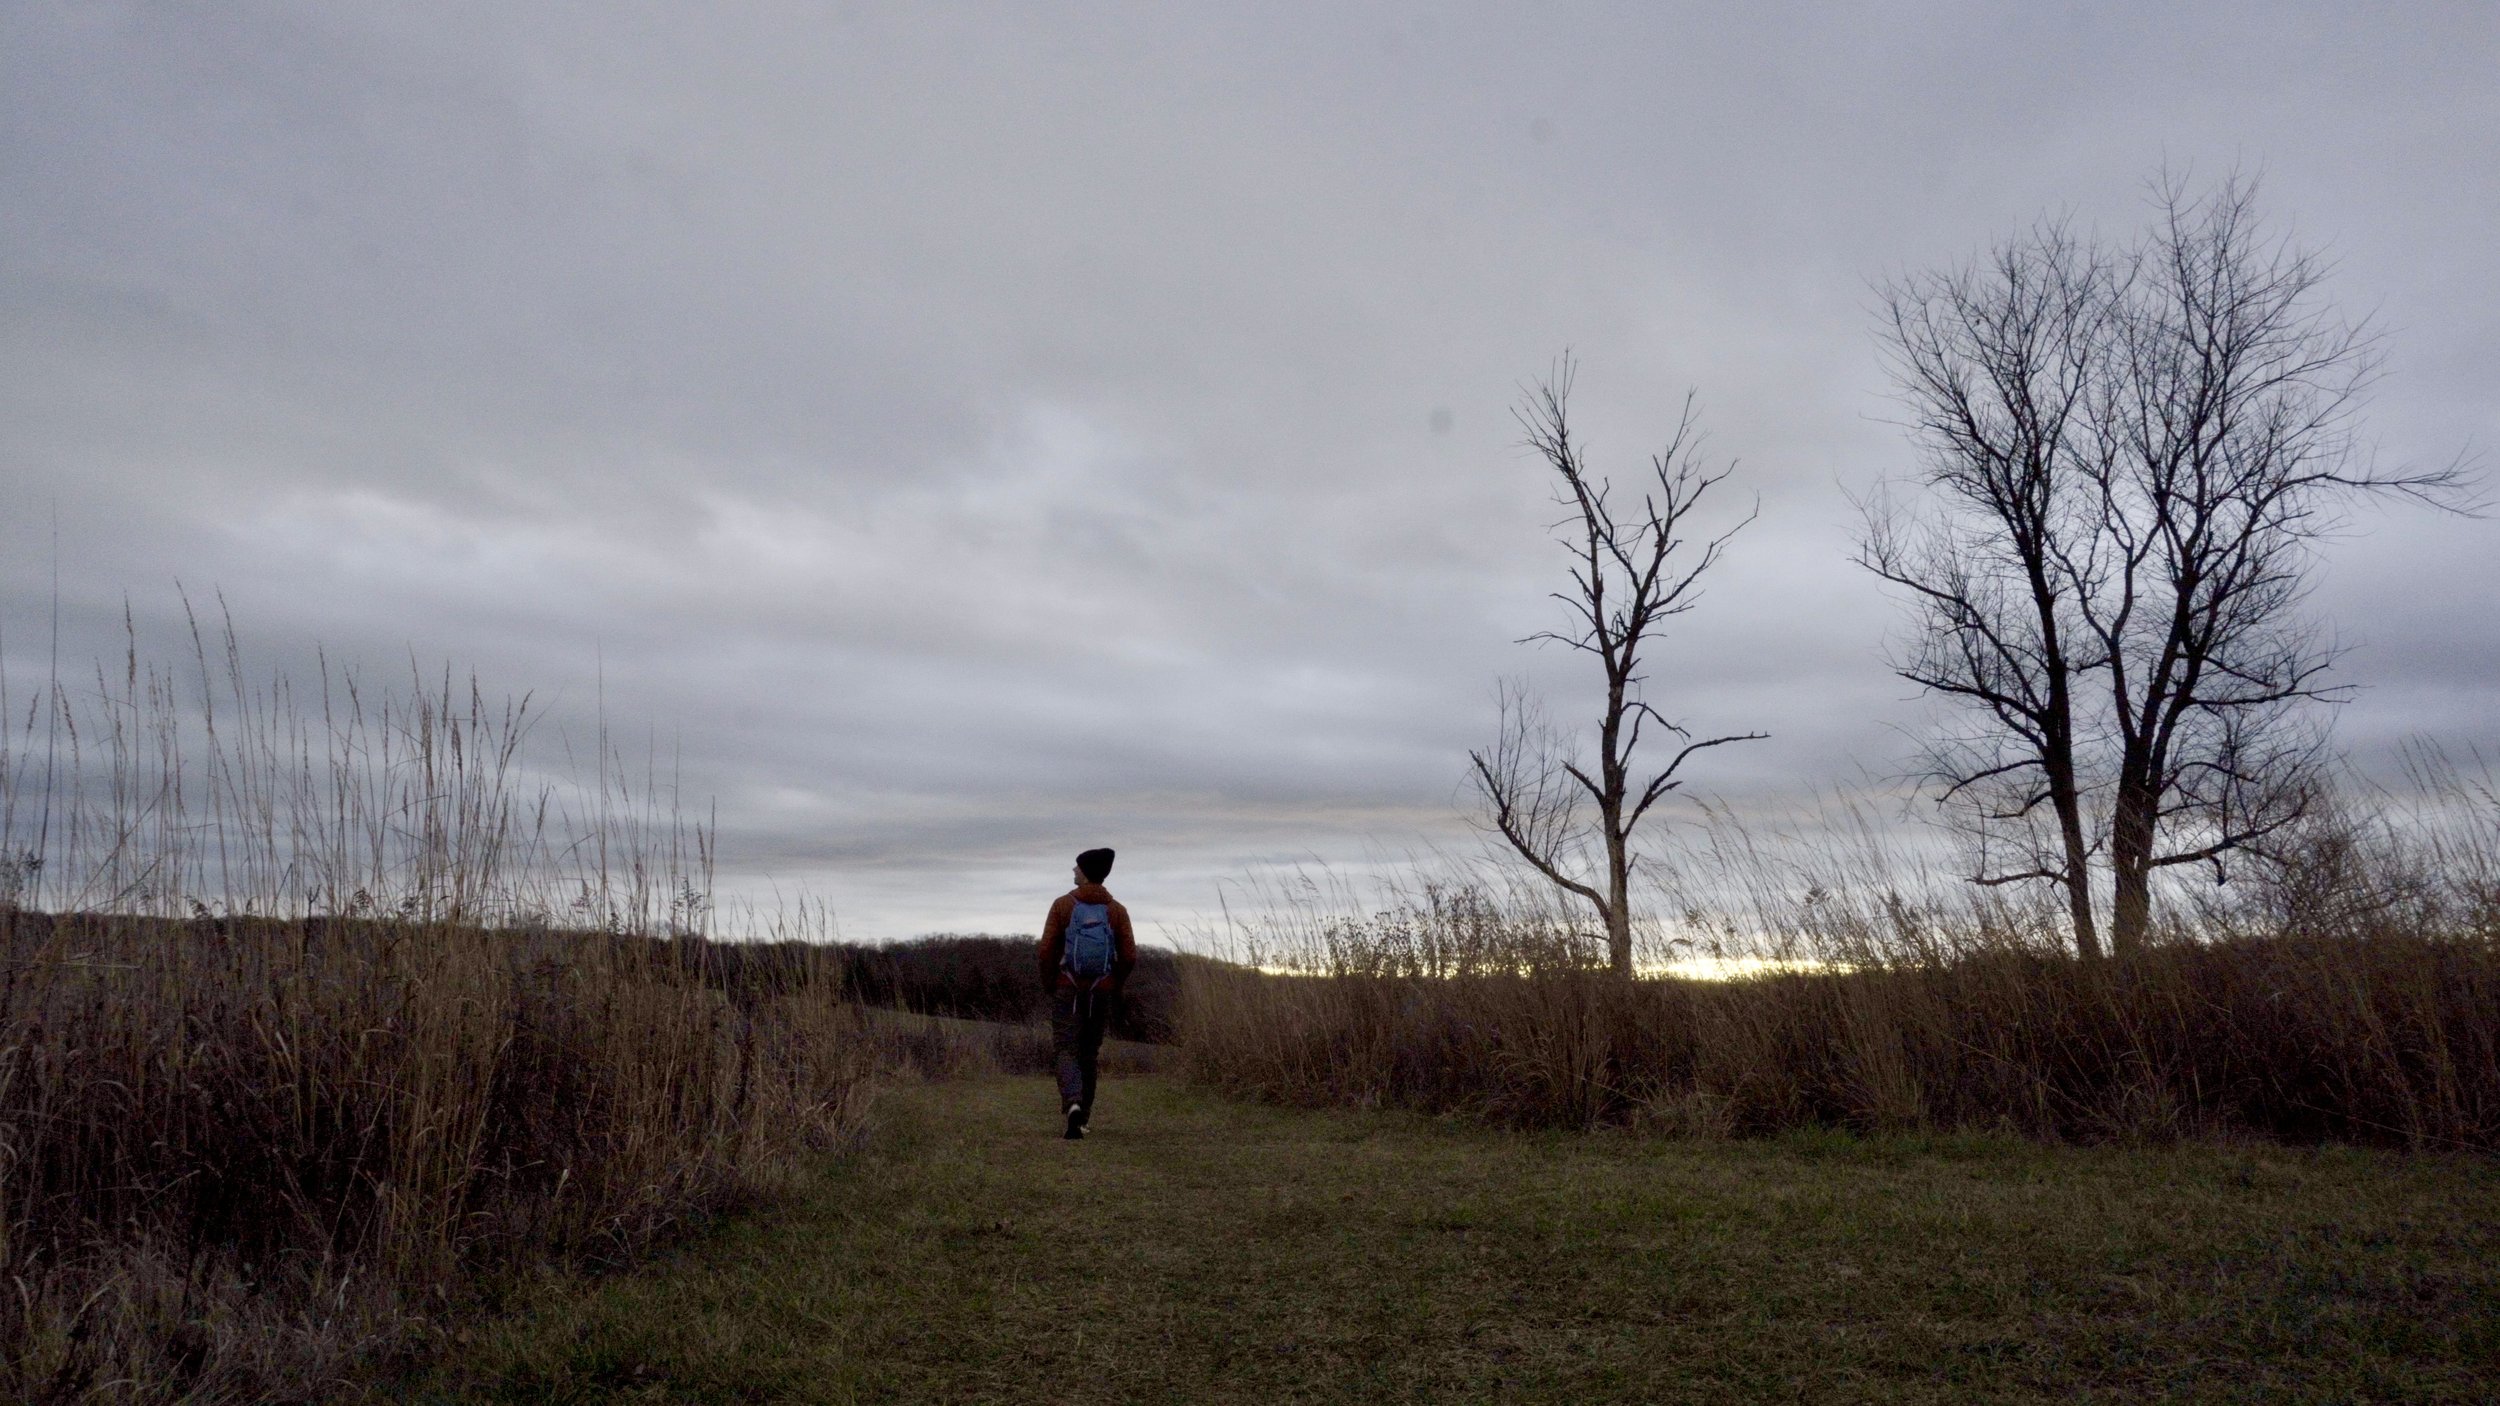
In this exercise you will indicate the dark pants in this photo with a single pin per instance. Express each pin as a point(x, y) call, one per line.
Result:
point(1077, 1021)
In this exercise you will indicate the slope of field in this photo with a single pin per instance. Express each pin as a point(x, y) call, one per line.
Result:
point(1197, 1249)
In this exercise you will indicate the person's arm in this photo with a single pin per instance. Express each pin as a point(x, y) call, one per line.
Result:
point(1126, 960)
point(1054, 932)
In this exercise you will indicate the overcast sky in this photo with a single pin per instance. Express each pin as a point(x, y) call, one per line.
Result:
point(970, 434)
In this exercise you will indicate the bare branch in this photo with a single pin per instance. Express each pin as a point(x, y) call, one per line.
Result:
point(2026, 876)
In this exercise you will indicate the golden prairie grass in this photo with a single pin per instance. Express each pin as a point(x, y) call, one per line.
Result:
point(319, 1012)
point(224, 1136)
point(2350, 992)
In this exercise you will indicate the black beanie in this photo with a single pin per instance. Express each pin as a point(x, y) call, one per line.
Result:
point(1095, 864)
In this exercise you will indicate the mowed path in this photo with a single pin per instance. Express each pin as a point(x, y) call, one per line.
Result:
point(1198, 1249)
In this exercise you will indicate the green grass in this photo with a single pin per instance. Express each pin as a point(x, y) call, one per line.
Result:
point(1197, 1249)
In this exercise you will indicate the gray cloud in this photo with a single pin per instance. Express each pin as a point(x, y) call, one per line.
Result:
point(968, 435)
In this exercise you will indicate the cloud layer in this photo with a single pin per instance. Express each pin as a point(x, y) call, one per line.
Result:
point(968, 437)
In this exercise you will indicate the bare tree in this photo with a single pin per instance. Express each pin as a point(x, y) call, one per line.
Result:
point(1995, 362)
point(2130, 454)
point(1629, 575)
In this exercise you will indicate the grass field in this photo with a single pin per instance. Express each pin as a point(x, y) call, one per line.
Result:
point(1201, 1249)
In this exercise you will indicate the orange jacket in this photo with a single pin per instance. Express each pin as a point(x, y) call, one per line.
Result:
point(1055, 934)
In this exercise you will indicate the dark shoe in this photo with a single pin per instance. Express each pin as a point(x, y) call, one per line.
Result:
point(1076, 1121)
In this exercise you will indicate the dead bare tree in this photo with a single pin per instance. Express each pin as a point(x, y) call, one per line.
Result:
point(1995, 361)
point(2130, 454)
point(1629, 575)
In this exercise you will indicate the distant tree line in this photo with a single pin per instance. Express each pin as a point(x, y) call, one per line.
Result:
point(970, 977)
point(980, 977)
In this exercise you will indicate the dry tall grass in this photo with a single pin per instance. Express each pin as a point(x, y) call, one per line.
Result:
point(2351, 993)
point(313, 1009)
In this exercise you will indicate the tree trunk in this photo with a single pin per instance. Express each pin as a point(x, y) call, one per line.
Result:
point(1618, 877)
point(2079, 883)
point(2131, 860)
point(2057, 763)
point(2069, 809)
point(1618, 908)
point(1614, 773)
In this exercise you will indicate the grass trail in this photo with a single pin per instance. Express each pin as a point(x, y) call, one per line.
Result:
point(1196, 1249)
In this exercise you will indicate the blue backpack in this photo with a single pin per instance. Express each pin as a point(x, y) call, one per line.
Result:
point(1089, 947)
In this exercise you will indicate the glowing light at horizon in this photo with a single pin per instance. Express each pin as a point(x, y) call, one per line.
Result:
point(1683, 968)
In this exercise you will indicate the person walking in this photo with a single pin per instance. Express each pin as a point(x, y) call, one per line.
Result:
point(1087, 952)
